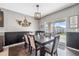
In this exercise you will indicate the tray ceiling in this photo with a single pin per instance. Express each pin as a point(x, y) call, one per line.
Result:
point(30, 8)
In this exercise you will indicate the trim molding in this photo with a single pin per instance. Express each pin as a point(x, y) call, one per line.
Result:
point(60, 10)
point(77, 50)
point(12, 45)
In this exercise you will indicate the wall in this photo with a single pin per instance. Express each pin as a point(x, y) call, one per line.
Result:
point(74, 10)
point(10, 17)
point(65, 14)
point(10, 24)
point(62, 14)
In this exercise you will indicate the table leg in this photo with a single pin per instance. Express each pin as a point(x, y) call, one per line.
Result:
point(42, 51)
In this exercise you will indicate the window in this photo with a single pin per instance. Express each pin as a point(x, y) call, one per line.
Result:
point(60, 27)
point(46, 27)
point(73, 23)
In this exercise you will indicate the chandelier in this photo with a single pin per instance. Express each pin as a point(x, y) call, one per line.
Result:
point(23, 23)
point(37, 14)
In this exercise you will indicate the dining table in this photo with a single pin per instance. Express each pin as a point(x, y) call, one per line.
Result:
point(43, 41)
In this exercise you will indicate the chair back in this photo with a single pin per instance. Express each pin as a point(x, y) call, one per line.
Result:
point(26, 38)
point(39, 36)
point(32, 41)
point(55, 43)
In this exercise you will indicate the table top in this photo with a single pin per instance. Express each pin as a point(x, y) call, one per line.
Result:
point(44, 40)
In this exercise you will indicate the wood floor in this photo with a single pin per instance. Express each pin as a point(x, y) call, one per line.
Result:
point(18, 51)
point(21, 51)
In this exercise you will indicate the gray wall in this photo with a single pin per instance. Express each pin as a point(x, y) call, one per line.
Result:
point(65, 14)
point(74, 10)
point(10, 24)
point(62, 14)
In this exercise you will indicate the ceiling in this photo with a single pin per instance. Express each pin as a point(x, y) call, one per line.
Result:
point(30, 8)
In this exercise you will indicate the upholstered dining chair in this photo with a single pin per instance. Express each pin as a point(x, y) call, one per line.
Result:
point(34, 47)
point(27, 42)
point(52, 49)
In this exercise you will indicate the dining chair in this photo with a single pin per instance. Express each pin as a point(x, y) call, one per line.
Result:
point(40, 34)
point(52, 49)
point(34, 47)
point(27, 42)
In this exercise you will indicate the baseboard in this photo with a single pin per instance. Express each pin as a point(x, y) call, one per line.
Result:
point(77, 50)
point(14, 45)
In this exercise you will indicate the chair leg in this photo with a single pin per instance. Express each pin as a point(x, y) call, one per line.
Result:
point(56, 53)
point(35, 52)
point(30, 49)
point(51, 54)
point(25, 45)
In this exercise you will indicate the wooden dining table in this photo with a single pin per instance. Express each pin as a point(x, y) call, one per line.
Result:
point(44, 41)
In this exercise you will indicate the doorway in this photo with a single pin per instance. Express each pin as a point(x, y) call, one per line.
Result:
point(60, 28)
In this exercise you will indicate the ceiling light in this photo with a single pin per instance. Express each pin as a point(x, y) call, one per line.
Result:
point(37, 14)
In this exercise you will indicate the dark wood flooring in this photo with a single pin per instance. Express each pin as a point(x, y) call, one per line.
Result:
point(21, 51)
point(18, 51)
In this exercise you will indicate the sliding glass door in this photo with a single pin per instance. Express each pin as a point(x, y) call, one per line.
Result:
point(60, 27)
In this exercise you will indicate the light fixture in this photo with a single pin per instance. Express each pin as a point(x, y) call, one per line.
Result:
point(37, 14)
point(23, 23)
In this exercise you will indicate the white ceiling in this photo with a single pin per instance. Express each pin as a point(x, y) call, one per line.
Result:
point(30, 8)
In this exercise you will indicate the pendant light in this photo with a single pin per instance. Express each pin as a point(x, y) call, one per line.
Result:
point(37, 14)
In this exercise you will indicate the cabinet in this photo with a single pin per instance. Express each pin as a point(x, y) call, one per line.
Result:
point(1, 43)
point(1, 19)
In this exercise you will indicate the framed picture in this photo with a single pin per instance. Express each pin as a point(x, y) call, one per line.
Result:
point(1, 19)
